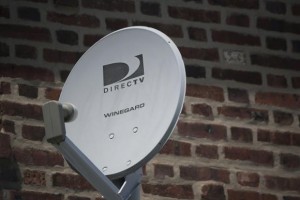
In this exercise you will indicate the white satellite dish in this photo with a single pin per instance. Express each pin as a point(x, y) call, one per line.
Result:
point(122, 100)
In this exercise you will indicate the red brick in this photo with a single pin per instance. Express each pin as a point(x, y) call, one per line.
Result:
point(68, 180)
point(276, 62)
point(286, 100)
point(78, 198)
point(26, 51)
point(26, 72)
point(207, 92)
point(5, 88)
point(204, 174)
point(276, 7)
point(112, 5)
point(203, 110)
point(30, 195)
point(276, 43)
point(231, 37)
point(248, 179)
point(30, 156)
point(244, 113)
point(83, 20)
point(207, 151)
point(66, 3)
point(29, 13)
point(25, 32)
point(195, 71)
point(246, 4)
point(209, 54)
point(213, 192)
point(171, 30)
point(8, 126)
point(277, 81)
point(200, 130)
point(4, 49)
point(278, 25)
point(67, 37)
point(167, 190)
point(34, 133)
point(198, 34)
point(241, 134)
point(89, 40)
point(161, 171)
point(237, 19)
point(28, 91)
point(5, 148)
point(291, 198)
point(197, 15)
point(238, 95)
point(296, 82)
point(238, 76)
point(58, 56)
point(280, 138)
point(248, 195)
point(176, 148)
point(52, 93)
point(23, 110)
point(34, 177)
point(151, 8)
point(296, 9)
point(115, 24)
point(63, 77)
point(283, 118)
point(259, 157)
point(283, 183)
point(290, 161)
point(4, 12)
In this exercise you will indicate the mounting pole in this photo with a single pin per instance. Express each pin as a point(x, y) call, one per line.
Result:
point(55, 115)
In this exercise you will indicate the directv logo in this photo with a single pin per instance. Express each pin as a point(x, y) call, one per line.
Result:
point(117, 76)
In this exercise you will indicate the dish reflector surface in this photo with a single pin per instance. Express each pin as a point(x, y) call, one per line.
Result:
point(128, 89)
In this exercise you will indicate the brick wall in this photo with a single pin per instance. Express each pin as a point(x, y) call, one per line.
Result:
point(238, 136)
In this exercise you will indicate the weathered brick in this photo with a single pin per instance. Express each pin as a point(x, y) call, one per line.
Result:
point(24, 110)
point(277, 81)
point(290, 161)
point(283, 183)
point(161, 171)
point(241, 134)
point(10, 177)
point(115, 24)
point(171, 30)
point(204, 174)
point(83, 20)
point(28, 91)
point(5, 148)
point(195, 71)
point(209, 54)
point(207, 151)
point(176, 148)
point(296, 82)
point(28, 13)
point(67, 37)
point(276, 43)
point(278, 25)
point(246, 4)
point(25, 32)
point(35, 195)
point(253, 114)
point(203, 110)
point(285, 100)
point(30, 156)
point(68, 180)
point(276, 7)
point(58, 56)
point(213, 192)
point(89, 39)
point(26, 51)
point(197, 15)
point(283, 118)
point(248, 195)
point(231, 37)
point(34, 177)
point(26, 72)
point(238, 95)
point(200, 130)
point(52, 93)
point(8, 126)
point(248, 179)
point(167, 190)
point(198, 34)
point(237, 19)
point(239, 76)
point(35, 133)
point(4, 50)
point(277, 137)
point(258, 157)
point(276, 62)
point(207, 92)
point(112, 5)
point(150, 8)
point(5, 88)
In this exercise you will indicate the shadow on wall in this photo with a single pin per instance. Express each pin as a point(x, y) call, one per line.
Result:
point(10, 175)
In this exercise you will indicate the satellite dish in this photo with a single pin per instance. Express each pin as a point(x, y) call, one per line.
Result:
point(122, 100)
